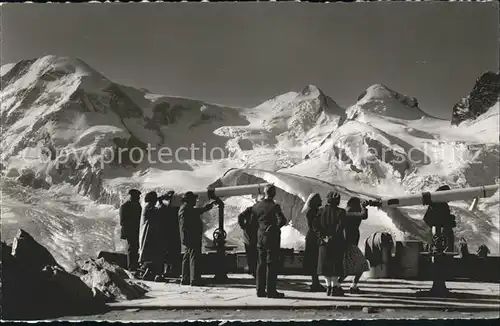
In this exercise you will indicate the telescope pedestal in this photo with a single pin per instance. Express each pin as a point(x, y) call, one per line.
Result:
point(219, 244)
point(440, 266)
point(221, 263)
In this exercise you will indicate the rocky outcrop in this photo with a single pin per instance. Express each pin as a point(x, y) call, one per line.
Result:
point(484, 95)
point(33, 255)
point(116, 258)
point(109, 281)
point(35, 286)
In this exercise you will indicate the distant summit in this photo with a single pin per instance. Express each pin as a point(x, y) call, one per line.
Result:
point(484, 95)
point(380, 99)
point(298, 112)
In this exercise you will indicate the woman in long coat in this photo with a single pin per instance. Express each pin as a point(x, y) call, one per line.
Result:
point(329, 228)
point(151, 247)
point(355, 262)
point(310, 264)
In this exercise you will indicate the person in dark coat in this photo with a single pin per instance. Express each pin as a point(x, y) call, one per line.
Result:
point(269, 218)
point(130, 219)
point(310, 264)
point(191, 234)
point(151, 255)
point(249, 227)
point(329, 228)
point(171, 239)
point(438, 216)
point(355, 262)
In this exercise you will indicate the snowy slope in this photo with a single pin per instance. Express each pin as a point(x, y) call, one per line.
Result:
point(64, 122)
point(384, 144)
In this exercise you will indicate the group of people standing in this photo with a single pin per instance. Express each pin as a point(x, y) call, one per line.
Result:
point(155, 233)
point(332, 242)
point(160, 228)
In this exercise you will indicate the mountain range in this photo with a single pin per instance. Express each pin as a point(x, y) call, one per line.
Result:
point(64, 125)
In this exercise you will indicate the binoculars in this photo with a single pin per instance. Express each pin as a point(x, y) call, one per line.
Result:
point(167, 196)
point(374, 203)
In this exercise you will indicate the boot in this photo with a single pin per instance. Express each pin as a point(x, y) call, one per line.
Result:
point(316, 287)
point(337, 291)
point(262, 295)
point(354, 290)
point(276, 295)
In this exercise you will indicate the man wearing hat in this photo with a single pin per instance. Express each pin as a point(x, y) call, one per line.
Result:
point(270, 219)
point(130, 218)
point(191, 229)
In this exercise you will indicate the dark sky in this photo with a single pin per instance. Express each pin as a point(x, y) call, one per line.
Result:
point(244, 53)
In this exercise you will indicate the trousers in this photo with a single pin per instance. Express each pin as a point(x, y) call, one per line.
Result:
point(190, 263)
point(251, 251)
point(268, 249)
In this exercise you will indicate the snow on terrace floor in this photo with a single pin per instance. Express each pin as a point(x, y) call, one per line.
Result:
point(239, 293)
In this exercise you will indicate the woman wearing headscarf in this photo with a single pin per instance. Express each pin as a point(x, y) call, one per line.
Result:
point(329, 228)
point(311, 209)
point(151, 250)
point(354, 260)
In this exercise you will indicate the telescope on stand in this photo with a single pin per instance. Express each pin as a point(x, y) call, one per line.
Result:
point(221, 248)
point(220, 235)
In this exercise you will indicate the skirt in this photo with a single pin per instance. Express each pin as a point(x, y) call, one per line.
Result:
point(330, 260)
point(310, 263)
point(355, 262)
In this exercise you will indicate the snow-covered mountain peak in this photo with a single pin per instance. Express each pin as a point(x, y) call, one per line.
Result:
point(381, 100)
point(311, 91)
point(378, 92)
point(298, 117)
point(63, 106)
point(34, 72)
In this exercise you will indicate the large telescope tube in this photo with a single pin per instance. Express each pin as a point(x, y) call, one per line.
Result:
point(221, 192)
point(426, 198)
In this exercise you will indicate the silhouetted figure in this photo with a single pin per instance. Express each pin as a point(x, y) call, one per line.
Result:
point(441, 221)
point(463, 248)
point(311, 208)
point(483, 251)
point(329, 228)
point(249, 227)
point(354, 262)
point(270, 219)
point(191, 230)
point(151, 255)
point(171, 239)
point(130, 219)
point(439, 218)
